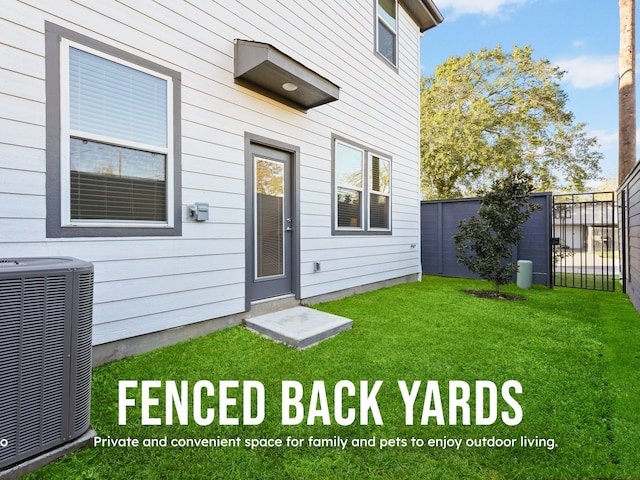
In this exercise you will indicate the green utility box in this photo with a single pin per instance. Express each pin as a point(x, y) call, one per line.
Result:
point(525, 274)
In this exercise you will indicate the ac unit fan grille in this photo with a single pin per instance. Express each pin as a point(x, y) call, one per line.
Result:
point(83, 355)
point(39, 365)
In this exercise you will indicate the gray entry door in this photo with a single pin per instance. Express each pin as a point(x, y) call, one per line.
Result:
point(271, 229)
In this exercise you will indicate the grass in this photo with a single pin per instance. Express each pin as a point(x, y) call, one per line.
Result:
point(588, 280)
point(576, 354)
point(608, 254)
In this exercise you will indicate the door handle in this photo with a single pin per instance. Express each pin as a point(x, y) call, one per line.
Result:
point(289, 227)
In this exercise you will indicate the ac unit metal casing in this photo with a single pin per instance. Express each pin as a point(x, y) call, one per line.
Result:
point(46, 316)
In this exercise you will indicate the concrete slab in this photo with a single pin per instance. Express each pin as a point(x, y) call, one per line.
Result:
point(299, 327)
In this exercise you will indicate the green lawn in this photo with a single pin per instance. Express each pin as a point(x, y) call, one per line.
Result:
point(608, 254)
point(576, 354)
point(588, 280)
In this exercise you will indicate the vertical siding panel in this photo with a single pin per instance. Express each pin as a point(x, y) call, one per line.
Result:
point(631, 213)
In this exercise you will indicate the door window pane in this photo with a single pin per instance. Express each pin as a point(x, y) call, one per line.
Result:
point(269, 208)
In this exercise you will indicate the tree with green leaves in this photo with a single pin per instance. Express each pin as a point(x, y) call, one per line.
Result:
point(491, 112)
point(484, 243)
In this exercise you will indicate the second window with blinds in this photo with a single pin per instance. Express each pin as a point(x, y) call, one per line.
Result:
point(362, 190)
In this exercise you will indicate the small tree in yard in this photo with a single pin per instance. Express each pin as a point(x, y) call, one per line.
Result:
point(484, 243)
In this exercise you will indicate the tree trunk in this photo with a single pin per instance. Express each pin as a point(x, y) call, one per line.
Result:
point(626, 90)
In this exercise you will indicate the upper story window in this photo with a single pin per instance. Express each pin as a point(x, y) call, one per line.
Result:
point(362, 190)
point(113, 168)
point(387, 30)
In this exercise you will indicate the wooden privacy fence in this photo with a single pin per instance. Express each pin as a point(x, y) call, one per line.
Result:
point(439, 221)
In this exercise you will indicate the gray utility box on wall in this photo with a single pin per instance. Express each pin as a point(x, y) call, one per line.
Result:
point(46, 316)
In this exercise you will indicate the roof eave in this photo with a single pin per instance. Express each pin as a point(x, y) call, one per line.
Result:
point(425, 13)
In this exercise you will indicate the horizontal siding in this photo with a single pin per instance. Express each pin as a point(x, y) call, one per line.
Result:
point(162, 295)
point(23, 110)
point(148, 284)
point(22, 182)
point(22, 205)
point(21, 134)
point(16, 59)
point(182, 315)
point(14, 157)
point(372, 274)
point(20, 85)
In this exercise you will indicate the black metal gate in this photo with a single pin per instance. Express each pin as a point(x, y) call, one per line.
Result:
point(584, 250)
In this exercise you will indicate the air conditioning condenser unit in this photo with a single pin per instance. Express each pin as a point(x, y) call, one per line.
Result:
point(46, 316)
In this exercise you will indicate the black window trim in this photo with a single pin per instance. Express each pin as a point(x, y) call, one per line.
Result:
point(365, 229)
point(54, 228)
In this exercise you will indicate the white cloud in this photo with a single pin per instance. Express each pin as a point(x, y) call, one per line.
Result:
point(578, 43)
point(608, 140)
point(456, 8)
point(590, 71)
point(608, 146)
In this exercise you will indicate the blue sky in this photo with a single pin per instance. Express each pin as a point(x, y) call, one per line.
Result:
point(580, 36)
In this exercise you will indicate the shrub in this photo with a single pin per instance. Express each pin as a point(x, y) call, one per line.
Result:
point(484, 242)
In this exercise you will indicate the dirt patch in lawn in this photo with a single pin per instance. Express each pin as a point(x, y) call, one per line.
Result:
point(492, 294)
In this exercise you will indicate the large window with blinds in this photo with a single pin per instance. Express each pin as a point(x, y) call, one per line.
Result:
point(117, 161)
point(362, 190)
point(117, 139)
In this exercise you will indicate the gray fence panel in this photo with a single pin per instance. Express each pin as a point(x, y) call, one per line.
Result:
point(536, 245)
point(629, 224)
point(440, 221)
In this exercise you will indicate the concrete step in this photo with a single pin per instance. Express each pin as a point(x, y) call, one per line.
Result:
point(270, 305)
point(299, 327)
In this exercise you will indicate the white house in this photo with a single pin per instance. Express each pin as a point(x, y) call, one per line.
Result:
point(208, 156)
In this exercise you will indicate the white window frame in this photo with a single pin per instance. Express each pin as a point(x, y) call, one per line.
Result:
point(361, 189)
point(380, 18)
point(67, 133)
point(365, 191)
point(370, 191)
